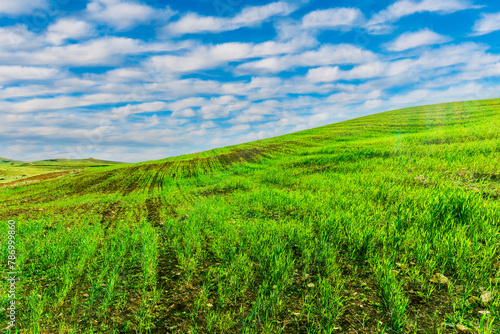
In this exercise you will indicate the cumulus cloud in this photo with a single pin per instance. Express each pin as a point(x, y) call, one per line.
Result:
point(210, 56)
point(204, 57)
point(410, 40)
point(10, 74)
point(444, 57)
point(333, 18)
point(129, 109)
point(325, 55)
point(99, 51)
point(65, 29)
point(61, 102)
point(248, 17)
point(21, 7)
point(401, 8)
point(17, 37)
point(123, 15)
point(488, 23)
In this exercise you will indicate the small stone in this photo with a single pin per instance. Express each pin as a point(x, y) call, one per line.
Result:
point(439, 278)
point(310, 285)
point(483, 312)
point(462, 328)
point(209, 305)
point(296, 314)
point(486, 297)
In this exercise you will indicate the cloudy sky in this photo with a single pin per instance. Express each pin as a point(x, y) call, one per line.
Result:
point(138, 80)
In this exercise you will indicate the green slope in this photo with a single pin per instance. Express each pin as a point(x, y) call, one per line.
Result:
point(384, 223)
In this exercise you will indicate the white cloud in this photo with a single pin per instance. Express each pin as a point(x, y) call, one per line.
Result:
point(449, 55)
point(20, 7)
point(65, 29)
point(122, 112)
point(403, 8)
point(410, 40)
point(100, 51)
point(204, 57)
point(61, 102)
point(457, 92)
point(210, 56)
point(248, 17)
point(251, 16)
point(9, 74)
point(444, 57)
point(123, 15)
point(326, 55)
point(488, 23)
point(16, 37)
point(333, 18)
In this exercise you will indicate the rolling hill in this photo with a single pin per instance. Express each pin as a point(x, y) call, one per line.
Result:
point(6, 161)
point(387, 223)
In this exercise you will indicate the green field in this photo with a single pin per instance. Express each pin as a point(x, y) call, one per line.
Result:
point(388, 223)
point(12, 171)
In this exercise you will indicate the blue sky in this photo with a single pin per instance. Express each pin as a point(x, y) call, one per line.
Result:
point(140, 80)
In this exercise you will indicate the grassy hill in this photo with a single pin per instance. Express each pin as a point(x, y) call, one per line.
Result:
point(387, 223)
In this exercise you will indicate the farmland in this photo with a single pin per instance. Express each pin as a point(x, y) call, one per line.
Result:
point(13, 171)
point(388, 223)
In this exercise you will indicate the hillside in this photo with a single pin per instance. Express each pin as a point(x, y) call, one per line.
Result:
point(387, 223)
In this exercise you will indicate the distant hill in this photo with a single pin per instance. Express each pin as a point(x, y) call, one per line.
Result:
point(72, 162)
point(6, 161)
point(89, 161)
point(13, 171)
